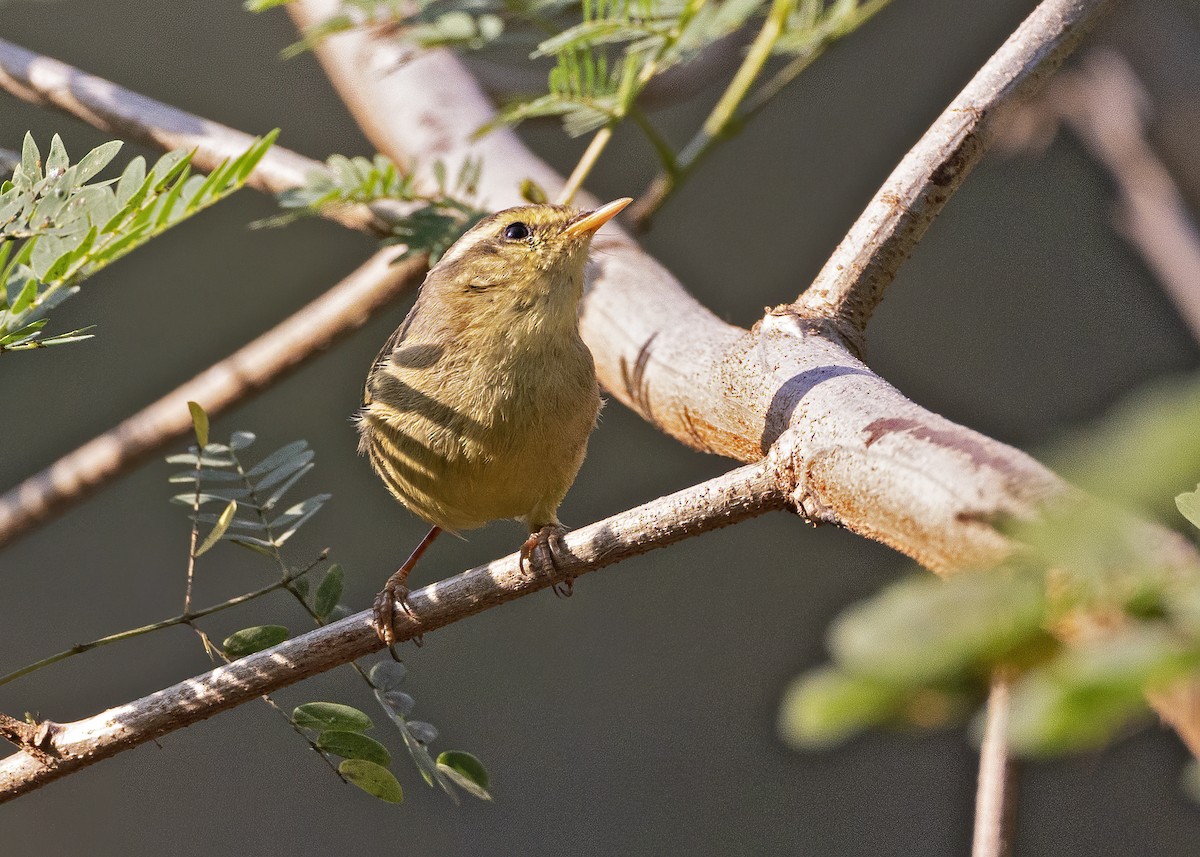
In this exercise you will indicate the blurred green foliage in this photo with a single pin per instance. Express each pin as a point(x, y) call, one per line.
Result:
point(922, 651)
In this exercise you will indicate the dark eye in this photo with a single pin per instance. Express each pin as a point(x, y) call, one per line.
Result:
point(516, 232)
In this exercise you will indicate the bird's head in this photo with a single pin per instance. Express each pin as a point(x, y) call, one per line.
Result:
point(530, 257)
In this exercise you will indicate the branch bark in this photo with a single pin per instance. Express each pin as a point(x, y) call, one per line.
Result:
point(64, 748)
point(341, 310)
point(853, 281)
point(996, 796)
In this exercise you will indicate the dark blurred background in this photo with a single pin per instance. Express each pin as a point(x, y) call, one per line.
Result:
point(639, 716)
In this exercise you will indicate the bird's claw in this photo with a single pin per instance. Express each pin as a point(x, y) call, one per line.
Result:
point(544, 553)
point(394, 592)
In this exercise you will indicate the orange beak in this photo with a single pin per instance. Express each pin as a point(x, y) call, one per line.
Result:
point(590, 221)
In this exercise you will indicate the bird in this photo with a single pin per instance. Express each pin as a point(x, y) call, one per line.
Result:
point(480, 405)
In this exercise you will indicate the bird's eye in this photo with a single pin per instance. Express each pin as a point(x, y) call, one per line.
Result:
point(516, 231)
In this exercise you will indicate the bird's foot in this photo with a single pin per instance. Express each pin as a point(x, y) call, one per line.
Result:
point(394, 592)
point(545, 553)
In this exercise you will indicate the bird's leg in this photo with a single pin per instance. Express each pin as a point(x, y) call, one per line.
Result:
point(395, 591)
point(545, 553)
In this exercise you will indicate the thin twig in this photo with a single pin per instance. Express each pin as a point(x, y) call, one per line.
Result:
point(1104, 103)
point(740, 494)
point(185, 618)
point(130, 115)
point(853, 281)
point(995, 799)
point(586, 161)
point(344, 308)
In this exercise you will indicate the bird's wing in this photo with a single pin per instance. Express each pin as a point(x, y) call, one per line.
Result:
point(393, 342)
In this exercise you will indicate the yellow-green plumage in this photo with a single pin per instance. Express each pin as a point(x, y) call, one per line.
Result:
point(480, 405)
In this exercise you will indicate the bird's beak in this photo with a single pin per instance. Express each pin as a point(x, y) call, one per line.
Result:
point(590, 221)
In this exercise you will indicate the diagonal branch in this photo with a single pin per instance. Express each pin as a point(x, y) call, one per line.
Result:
point(255, 366)
point(852, 283)
point(67, 747)
point(1104, 103)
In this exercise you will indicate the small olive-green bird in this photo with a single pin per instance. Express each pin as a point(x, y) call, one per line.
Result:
point(480, 405)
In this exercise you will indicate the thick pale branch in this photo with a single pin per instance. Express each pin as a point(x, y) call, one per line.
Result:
point(66, 747)
point(853, 281)
point(131, 116)
point(341, 310)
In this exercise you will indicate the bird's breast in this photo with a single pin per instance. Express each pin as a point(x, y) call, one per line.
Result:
point(478, 431)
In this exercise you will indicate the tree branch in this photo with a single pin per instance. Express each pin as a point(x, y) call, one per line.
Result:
point(995, 799)
point(852, 283)
point(67, 747)
point(1104, 103)
point(129, 115)
point(341, 310)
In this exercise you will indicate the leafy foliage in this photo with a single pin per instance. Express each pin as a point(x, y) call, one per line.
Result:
point(253, 496)
point(57, 227)
point(424, 23)
point(921, 652)
point(253, 513)
point(813, 25)
point(452, 768)
point(432, 222)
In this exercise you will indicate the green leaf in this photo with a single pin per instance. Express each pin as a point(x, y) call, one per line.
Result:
point(1188, 504)
point(329, 591)
point(533, 192)
point(331, 716)
point(277, 458)
point(31, 160)
point(353, 745)
point(1081, 698)
point(426, 733)
point(374, 779)
point(467, 772)
point(250, 640)
point(199, 423)
point(829, 706)
point(396, 703)
point(296, 516)
point(96, 160)
point(924, 629)
point(57, 161)
point(219, 530)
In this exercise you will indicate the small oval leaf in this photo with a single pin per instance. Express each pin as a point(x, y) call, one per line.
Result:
point(353, 745)
point(329, 591)
point(250, 640)
point(388, 675)
point(219, 528)
point(467, 772)
point(331, 716)
point(424, 732)
point(199, 422)
point(373, 779)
